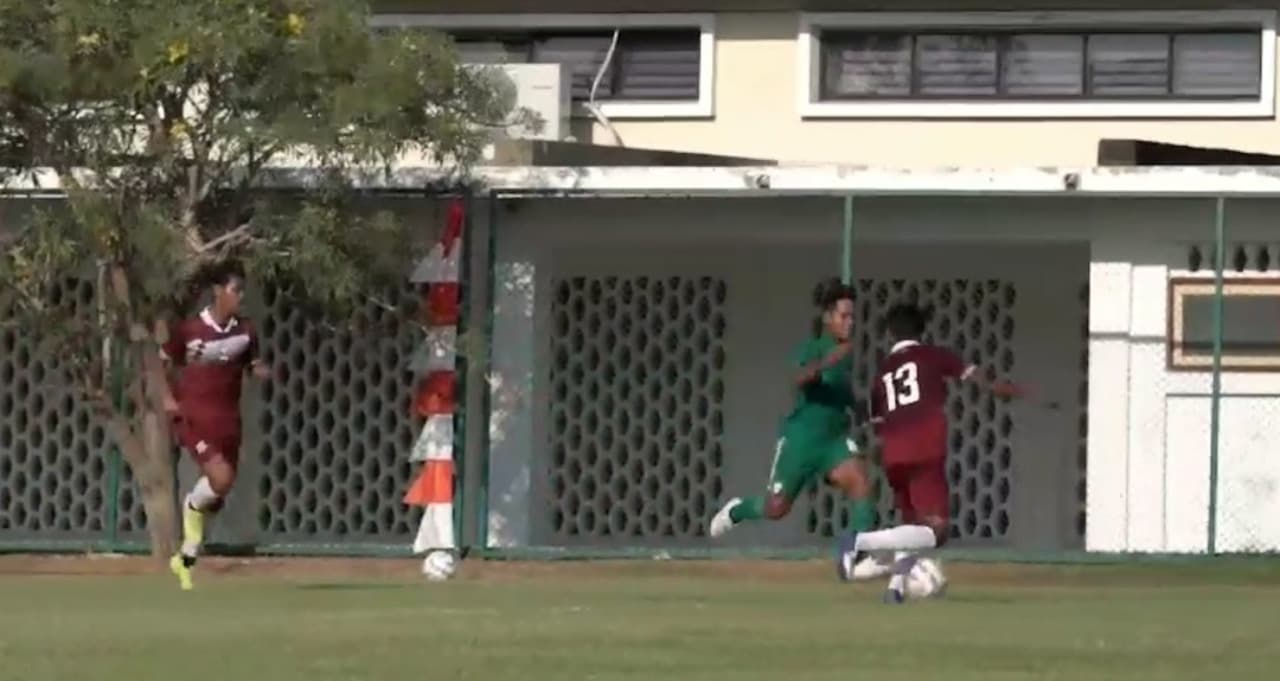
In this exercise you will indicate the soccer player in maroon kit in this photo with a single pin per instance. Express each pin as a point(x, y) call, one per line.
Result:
point(211, 351)
point(908, 406)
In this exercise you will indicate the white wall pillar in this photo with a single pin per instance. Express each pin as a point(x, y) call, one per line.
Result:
point(1148, 386)
point(1109, 317)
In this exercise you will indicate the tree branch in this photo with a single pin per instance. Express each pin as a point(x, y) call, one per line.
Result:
point(237, 237)
point(382, 303)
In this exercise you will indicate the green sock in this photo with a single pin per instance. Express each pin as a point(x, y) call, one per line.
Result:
point(862, 515)
point(751, 508)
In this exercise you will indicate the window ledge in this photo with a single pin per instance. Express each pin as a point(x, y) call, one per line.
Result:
point(621, 109)
point(970, 109)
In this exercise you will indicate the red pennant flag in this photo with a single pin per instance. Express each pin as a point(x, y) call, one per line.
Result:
point(440, 303)
point(434, 485)
point(453, 226)
point(436, 394)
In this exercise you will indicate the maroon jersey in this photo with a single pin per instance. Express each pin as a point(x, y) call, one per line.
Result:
point(213, 360)
point(909, 398)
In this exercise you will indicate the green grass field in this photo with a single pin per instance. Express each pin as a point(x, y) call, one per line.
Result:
point(646, 621)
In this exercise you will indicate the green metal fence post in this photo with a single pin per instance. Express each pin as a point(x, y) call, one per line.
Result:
point(846, 243)
point(1215, 399)
point(113, 376)
point(114, 458)
point(486, 365)
point(460, 373)
point(846, 276)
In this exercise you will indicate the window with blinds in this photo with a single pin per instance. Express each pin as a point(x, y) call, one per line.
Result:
point(1026, 64)
point(647, 64)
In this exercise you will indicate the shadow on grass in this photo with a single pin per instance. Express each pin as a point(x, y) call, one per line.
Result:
point(353, 586)
point(979, 598)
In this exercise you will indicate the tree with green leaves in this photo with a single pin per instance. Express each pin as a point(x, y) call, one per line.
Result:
point(165, 124)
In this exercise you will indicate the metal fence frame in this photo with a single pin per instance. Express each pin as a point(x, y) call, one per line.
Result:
point(471, 434)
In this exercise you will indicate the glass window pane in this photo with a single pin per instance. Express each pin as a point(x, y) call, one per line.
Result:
point(1030, 64)
point(866, 64)
point(1128, 65)
point(1044, 65)
point(1217, 64)
point(583, 54)
point(956, 65)
point(661, 65)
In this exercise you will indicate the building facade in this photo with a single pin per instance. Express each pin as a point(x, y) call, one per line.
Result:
point(926, 85)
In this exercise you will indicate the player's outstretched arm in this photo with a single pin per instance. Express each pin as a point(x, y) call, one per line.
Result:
point(1006, 389)
point(811, 371)
point(164, 364)
point(998, 387)
point(162, 367)
point(260, 370)
point(255, 364)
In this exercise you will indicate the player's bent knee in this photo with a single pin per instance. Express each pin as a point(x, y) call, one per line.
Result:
point(850, 478)
point(941, 529)
point(858, 486)
point(221, 476)
point(776, 507)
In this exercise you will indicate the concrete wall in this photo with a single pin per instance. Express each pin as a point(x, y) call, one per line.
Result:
point(1147, 435)
point(770, 251)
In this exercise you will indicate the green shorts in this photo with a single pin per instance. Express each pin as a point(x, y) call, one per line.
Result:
point(798, 463)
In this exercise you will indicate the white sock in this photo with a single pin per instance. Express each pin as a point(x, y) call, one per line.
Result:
point(201, 496)
point(903, 537)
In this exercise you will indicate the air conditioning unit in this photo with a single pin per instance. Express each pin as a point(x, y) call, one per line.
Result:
point(545, 90)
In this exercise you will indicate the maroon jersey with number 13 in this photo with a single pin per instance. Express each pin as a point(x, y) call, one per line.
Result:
point(909, 399)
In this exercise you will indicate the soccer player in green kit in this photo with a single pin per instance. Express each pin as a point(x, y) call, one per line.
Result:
point(815, 442)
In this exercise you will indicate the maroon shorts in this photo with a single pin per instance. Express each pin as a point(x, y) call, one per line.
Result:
point(920, 490)
point(206, 441)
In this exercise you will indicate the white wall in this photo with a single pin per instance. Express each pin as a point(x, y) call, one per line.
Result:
point(1149, 435)
point(771, 251)
point(1148, 439)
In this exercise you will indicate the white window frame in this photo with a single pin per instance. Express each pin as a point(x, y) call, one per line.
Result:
point(703, 107)
point(809, 60)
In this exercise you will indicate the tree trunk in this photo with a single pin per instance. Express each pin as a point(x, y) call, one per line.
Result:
point(151, 458)
point(144, 437)
point(158, 486)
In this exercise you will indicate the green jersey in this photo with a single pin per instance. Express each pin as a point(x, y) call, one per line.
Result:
point(822, 406)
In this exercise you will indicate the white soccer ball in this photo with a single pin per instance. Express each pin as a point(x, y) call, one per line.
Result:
point(439, 566)
point(926, 579)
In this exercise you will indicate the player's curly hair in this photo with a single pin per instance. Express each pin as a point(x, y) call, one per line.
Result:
point(826, 295)
point(906, 321)
point(221, 273)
